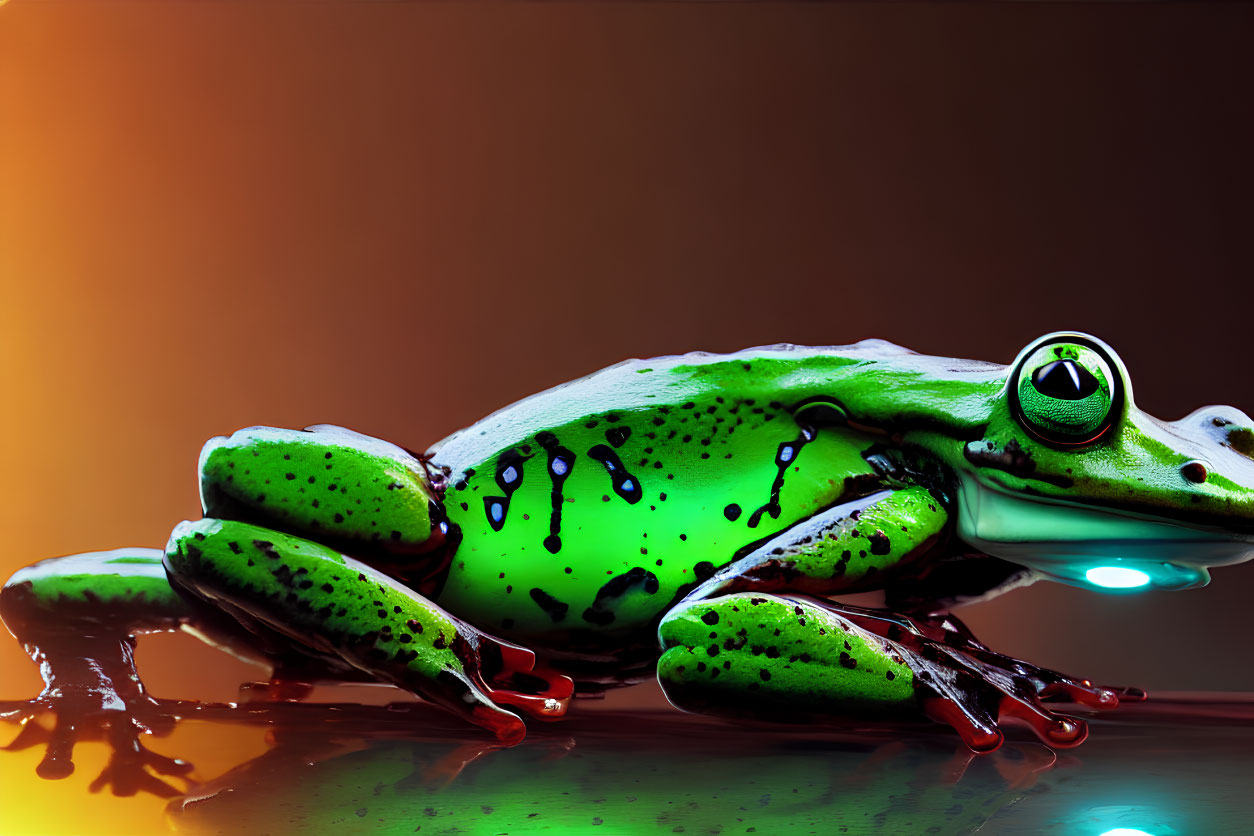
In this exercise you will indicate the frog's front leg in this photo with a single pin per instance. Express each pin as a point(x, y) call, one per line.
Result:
point(313, 601)
point(77, 617)
point(731, 646)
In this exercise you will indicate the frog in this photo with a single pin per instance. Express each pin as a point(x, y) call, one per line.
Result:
point(699, 518)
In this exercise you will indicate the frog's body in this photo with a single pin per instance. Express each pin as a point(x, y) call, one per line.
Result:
point(670, 468)
point(667, 500)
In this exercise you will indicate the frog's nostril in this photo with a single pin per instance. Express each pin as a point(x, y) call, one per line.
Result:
point(1194, 471)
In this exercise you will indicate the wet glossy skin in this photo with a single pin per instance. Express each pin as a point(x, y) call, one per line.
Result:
point(718, 504)
point(695, 440)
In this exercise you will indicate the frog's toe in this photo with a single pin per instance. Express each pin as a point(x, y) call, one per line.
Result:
point(965, 713)
point(1086, 693)
point(509, 675)
point(58, 744)
point(975, 699)
point(20, 711)
point(973, 723)
point(1129, 693)
point(1053, 729)
point(1082, 693)
point(119, 724)
point(974, 689)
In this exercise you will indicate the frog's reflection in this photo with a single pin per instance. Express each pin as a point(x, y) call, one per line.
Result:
point(1169, 767)
point(640, 772)
point(1173, 766)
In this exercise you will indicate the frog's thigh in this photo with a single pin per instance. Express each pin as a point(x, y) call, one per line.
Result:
point(841, 548)
point(328, 483)
point(775, 657)
point(122, 591)
point(332, 605)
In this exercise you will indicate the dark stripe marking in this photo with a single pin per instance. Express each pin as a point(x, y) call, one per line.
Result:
point(625, 485)
point(561, 463)
point(555, 608)
point(601, 612)
point(509, 475)
point(784, 456)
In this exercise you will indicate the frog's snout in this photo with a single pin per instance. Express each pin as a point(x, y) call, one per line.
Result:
point(1225, 426)
point(1215, 449)
point(1238, 431)
point(1221, 442)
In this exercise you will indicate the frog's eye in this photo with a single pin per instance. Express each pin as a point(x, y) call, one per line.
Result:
point(821, 412)
point(1064, 392)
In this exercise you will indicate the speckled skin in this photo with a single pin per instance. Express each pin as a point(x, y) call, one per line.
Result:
point(333, 605)
point(656, 494)
point(778, 654)
point(344, 488)
point(697, 481)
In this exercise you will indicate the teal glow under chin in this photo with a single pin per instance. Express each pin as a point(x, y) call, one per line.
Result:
point(1126, 831)
point(1116, 577)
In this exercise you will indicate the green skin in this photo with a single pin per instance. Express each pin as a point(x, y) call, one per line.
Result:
point(706, 508)
point(649, 783)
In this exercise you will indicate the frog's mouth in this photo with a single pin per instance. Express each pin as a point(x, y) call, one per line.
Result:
point(1093, 547)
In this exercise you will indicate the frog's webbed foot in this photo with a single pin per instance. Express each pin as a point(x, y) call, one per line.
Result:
point(117, 724)
point(280, 586)
point(76, 617)
point(1052, 686)
point(797, 658)
point(93, 694)
point(972, 688)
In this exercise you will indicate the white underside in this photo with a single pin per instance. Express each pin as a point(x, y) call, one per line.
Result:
point(1064, 540)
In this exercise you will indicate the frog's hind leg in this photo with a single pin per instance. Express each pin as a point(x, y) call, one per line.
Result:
point(771, 657)
point(357, 494)
point(331, 608)
point(77, 617)
point(732, 646)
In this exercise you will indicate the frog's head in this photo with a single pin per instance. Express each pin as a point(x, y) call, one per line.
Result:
point(1072, 480)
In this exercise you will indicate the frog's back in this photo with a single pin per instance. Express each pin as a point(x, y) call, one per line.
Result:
point(588, 508)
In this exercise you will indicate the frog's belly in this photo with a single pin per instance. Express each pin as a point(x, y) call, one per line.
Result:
point(609, 581)
point(597, 622)
point(587, 564)
point(577, 538)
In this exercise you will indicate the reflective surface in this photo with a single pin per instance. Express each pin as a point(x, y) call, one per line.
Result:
point(1178, 764)
point(1171, 766)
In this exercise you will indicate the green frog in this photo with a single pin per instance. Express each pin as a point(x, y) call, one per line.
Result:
point(697, 517)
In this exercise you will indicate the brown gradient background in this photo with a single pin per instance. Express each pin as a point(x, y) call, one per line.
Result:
point(401, 217)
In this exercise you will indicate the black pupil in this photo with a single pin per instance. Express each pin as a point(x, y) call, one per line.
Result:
point(1065, 380)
